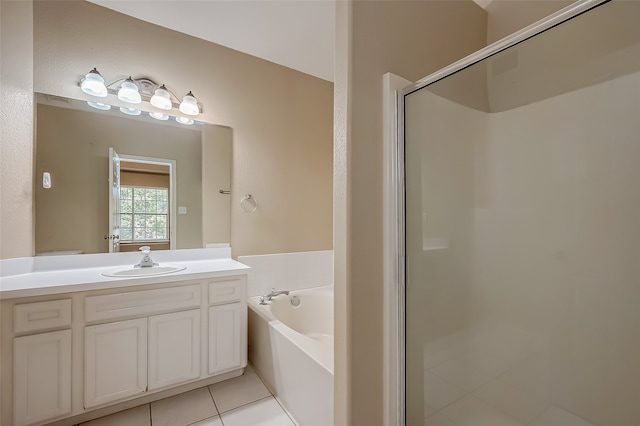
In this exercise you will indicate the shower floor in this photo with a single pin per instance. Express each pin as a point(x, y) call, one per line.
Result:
point(498, 376)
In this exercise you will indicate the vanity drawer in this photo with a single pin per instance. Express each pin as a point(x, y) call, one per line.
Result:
point(41, 315)
point(229, 290)
point(145, 302)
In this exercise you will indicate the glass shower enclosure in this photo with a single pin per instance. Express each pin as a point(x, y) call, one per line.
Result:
point(522, 230)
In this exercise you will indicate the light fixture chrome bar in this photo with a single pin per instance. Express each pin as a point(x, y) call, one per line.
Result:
point(145, 96)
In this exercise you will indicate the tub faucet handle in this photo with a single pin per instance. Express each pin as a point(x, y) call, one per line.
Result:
point(274, 293)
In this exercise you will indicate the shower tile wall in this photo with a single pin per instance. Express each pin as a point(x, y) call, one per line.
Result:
point(528, 252)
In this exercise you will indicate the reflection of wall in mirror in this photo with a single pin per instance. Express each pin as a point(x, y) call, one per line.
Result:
point(73, 145)
point(282, 119)
point(216, 176)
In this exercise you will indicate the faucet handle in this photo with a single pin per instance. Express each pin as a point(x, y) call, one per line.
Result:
point(145, 249)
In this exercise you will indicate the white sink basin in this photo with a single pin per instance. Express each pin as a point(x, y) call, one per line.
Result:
point(130, 271)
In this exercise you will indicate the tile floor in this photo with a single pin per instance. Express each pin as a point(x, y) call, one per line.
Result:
point(241, 401)
point(489, 378)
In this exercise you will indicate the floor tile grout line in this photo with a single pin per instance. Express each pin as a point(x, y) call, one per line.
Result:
point(219, 413)
point(261, 380)
point(528, 394)
point(215, 405)
point(206, 418)
point(284, 410)
point(213, 399)
point(547, 408)
point(472, 392)
point(245, 404)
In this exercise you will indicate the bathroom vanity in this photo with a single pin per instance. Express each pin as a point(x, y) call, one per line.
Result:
point(77, 345)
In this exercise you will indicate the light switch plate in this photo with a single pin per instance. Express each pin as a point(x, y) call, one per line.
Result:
point(182, 210)
point(46, 180)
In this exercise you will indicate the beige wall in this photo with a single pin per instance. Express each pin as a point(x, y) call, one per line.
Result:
point(410, 39)
point(505, 17)
point(74, 145)
point(16, 131)
point(281, 119)
point(16, 128)
point(342, 133)
point(217, 146)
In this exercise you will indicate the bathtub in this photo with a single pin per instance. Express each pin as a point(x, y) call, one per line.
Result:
point(291, 349)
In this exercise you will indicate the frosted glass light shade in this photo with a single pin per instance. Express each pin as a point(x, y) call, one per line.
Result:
point(159, 116)
point(130, 111)
point(184, 120)
point(99, 105)
point(161, 98)
point(93, 84)
point(189, 105)
point(129, 92)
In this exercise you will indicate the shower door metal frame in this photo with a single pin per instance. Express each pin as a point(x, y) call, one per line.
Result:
point(399, 399)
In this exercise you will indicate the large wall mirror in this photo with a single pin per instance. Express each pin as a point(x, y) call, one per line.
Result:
point(175, 180)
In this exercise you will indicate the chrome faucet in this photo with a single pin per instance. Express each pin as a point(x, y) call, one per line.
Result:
point(146, 261)
point(267, 297)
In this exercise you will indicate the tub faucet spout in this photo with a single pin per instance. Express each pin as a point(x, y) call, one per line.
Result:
point(274, 293)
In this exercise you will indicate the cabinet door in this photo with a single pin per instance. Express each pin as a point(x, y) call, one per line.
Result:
point(226, 331)
point(115, 361)
point(174, 348)
point(42, 377)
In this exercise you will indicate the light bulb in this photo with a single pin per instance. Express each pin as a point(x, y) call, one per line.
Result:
point(159, 116)
point(161, 98)
point(184, 120)
point(189, 105)
point(93, 84)
point(129, 92)
point(99, 105)
point(130, 111)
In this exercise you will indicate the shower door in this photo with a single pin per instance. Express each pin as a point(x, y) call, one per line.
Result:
point(522, 231)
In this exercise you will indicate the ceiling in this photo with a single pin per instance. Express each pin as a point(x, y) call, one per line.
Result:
point(298, 34)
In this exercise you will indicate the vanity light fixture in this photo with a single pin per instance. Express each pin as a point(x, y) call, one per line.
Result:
point(129, 92)
point(161, 98)
point(93, 84)
point(136, 90)
point(159, 116)
point(130, 111)
point(99, 105)
point(184, 120)
point(189, 105)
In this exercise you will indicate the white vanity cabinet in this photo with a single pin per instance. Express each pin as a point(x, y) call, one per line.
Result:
point(96, 349)
point(174, 348)
point(115, 361)
point(227, 326)
point(42, 361)
point(126, 358)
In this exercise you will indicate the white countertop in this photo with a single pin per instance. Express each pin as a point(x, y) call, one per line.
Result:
point(37, 276)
